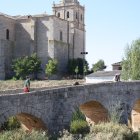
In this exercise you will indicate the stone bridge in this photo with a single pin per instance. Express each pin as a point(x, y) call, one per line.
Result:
point(53, 108)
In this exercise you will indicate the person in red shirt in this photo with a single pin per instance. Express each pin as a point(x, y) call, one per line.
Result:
point(27, 84)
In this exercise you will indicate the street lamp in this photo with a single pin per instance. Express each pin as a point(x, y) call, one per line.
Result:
point(84, 53)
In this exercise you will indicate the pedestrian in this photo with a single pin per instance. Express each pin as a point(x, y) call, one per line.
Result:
point(117, 77)
point(27, 84)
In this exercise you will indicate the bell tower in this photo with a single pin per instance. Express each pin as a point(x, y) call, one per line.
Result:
point(74, 13)
point(70, 10)
point(67, 1)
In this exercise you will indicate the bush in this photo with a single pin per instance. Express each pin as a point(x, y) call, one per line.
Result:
point(26, 65)
point(110, 131)
point(78, 62)
point(79, 127)
point(22, 135)
point(11, 124)
point(78, 115)
point(51, 67)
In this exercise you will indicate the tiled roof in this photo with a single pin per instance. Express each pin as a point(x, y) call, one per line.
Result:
point(118, 63)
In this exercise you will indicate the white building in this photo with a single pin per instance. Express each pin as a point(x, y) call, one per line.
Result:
point(102, 76)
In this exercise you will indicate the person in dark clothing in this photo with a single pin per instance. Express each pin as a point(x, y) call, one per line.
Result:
point(117, 77)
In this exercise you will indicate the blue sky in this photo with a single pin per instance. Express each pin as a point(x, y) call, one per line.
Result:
point(110, 24)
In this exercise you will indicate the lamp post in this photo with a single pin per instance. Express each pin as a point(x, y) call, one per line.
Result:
point(84, 53)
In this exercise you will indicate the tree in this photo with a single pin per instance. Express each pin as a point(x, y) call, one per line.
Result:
point(73, 63)
point(76, 71)
point(99, 66)
point(131, 62)
point(51, 67)
point(35, 65)
point(26, 65)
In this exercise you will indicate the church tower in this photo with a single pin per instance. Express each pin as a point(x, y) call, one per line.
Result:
point(72, 12)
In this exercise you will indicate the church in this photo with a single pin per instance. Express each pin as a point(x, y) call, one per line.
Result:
point(58, 36)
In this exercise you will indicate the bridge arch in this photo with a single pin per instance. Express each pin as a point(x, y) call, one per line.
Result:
point(29, 117)
point(94, 111)
point(135, 116)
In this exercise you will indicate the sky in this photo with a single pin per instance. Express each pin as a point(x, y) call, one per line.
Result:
point(110, 24)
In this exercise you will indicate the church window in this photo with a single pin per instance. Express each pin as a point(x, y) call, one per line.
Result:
point(61, 36)
point(81, 17)
point(58, 14)
point(7, 34)
point(76, 15)
point(68, 14)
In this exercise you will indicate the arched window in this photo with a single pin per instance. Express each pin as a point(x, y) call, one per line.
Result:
point(81, 17)
point(61, 36)
point(58, 14)
point(76, 15)
point(68, 14)
point(7, 34)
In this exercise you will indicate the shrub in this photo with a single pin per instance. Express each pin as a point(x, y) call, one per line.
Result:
point(78, 62)
point(110, 131)
point(11, 124)
point(79, 127)
point(78, 123)
point(22, 135)
point(26, 65)
point(78, 115)
point(51, 67)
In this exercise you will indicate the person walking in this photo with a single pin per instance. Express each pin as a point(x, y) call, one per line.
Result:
point(27, 84)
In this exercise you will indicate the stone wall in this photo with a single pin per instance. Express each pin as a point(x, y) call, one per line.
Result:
point(2, 66)
point(6, 56)
point(7, 23)
point(24, 45)
point(59, 51)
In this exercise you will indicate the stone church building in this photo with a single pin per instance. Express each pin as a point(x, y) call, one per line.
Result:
point(60, 36)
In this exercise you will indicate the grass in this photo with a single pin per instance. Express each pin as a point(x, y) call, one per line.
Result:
point(12, 84)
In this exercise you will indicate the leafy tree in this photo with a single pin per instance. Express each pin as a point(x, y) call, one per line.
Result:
point(73, 63)
point(131, 61)
point(99, 66)
point(76, 71)
point(51, 67)
point(35, 65)
point(26, 65)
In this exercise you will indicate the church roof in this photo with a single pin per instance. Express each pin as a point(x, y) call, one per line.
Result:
point(5, 15)
point(28, 16)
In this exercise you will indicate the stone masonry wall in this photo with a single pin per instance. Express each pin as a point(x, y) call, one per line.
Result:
point(2, 66)
point(55, 106)
point(24, 45)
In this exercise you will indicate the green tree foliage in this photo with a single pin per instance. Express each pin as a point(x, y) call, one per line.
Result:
point(35, 65)
point(11, 124)
point(73, 63)
point(131, 62)
point(79, 127)
point(51, 67)
point(99, 66)
point(26, 65)
point(78, 115)
point(76, 71)
point(78, 123)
